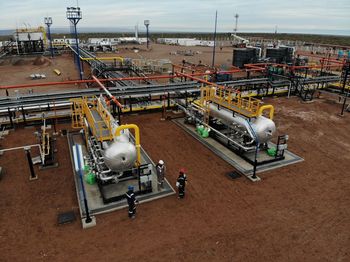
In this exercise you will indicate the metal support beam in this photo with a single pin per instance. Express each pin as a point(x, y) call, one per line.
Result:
point(30, 163)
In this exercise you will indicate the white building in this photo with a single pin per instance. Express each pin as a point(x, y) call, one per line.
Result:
point(185, 42)
point(62, 41)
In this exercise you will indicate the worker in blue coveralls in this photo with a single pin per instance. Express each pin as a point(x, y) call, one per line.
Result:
point(181, 183)
point(132, 201)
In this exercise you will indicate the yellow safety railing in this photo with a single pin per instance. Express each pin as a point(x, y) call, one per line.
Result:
point(83, 107)
point(104, 113)
point(231, 100)
point(100, 128)
point(119, 58)
point(77, 113)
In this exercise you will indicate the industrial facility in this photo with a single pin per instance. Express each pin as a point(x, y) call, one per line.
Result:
point(255, 123)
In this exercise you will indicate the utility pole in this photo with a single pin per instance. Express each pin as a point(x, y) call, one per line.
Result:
point(48, 22)
point(346, 71)
point(74, 15)
point(216, 21)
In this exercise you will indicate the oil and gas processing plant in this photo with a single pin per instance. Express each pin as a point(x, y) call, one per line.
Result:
point(260, 125)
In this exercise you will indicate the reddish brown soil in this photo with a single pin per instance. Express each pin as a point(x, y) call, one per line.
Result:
point(160, 51)
point(297, 213)
point(17, 70)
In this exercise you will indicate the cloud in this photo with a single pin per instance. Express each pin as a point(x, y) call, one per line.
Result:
point(297, 15)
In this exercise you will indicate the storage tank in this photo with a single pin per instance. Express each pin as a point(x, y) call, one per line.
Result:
point(264, 128)
point(280, 55)
point(120, 155)
point(243, 56)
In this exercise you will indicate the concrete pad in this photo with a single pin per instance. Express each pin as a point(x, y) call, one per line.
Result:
point(93, 194)
point(33, 178)
point(5, 132)
point(235, 160)
point(88, 225)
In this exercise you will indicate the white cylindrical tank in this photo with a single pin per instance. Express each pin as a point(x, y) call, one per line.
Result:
point(120, 155)
point(263, 127)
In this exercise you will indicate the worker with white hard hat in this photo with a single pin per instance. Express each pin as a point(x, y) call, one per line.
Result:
point(160, 167)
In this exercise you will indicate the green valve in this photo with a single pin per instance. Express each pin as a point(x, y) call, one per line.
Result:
point(205, 133)
point(200, 130)
point(90, 179)
point(86, 168)
point(271, 151)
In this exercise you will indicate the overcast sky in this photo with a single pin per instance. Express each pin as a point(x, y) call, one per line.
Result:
point(303, 16)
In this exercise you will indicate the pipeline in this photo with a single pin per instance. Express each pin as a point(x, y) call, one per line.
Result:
point(188, 113)
point(108, 93)
point(98, 160)
point(267, 107)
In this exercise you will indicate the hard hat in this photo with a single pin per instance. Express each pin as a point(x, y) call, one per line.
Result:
point(130, 188)
point(161, 162)
point(182, 170)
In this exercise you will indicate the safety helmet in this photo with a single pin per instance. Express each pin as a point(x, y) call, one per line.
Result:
point(182, 170)
point(130, 188)
point(161, 162)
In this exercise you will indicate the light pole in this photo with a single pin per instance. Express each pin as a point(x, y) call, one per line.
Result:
point(48, 22)
point(74, 15)
point(236, 23)
point(146, 22)
point(216, 22)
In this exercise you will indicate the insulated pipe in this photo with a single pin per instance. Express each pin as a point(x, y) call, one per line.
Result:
point(107, 92)
point(72, 82)
point(78, 163)
point(104, 178)
point(137, 138)
point(227, 117)
point(267, 107)
point(24, 148)
point(103, 58)
point(199, 80)
point(214, 130)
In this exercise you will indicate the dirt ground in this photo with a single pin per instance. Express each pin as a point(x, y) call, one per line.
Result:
point(18, 70)
point(297, 213)
point(223, 56)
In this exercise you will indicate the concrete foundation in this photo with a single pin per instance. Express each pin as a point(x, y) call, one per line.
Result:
point(88, 225)
point(93, 194)
point(235, 160)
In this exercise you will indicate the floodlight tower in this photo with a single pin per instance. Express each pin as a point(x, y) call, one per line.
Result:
point(48, 22)
point(146, 22)
point(236, 18)
point(74, 15)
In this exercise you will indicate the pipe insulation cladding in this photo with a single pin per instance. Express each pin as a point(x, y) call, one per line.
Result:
point(263, 127)
point(121, 154)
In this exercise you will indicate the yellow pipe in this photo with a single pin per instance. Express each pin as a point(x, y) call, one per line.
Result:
point(137, 138)
point(103, 58)
point(267, 107)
